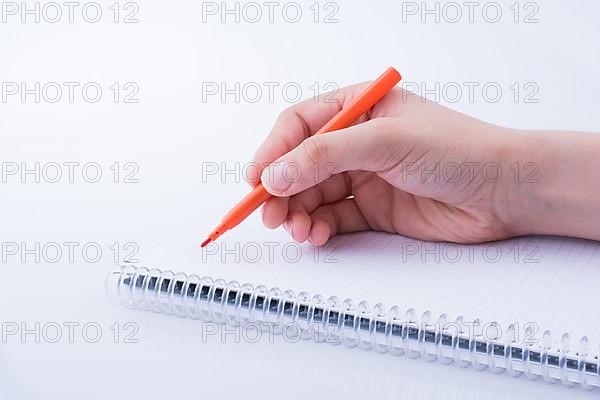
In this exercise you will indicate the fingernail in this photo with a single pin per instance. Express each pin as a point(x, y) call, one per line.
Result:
point(289, 228)
point(274, 177)
point(287, 225)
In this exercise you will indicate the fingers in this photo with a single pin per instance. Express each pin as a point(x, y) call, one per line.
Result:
point(299, 122)
point(276, 210)
point(368, 147)
point(325, 222)
point(336, 188)
point(298, 225)
point(332, 219)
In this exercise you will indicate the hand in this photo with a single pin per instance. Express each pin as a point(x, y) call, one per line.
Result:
point(409, 166)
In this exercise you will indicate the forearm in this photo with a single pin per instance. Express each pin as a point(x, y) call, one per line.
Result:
point(562, 197)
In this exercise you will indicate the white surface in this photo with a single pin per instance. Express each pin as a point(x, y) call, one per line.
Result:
point(171, 132)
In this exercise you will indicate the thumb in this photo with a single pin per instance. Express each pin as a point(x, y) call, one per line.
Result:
point(363, 147)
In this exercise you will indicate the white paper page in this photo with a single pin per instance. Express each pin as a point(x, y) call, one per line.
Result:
point(541, 283)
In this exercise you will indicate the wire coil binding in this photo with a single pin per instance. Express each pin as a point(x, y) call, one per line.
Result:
point(354, 325)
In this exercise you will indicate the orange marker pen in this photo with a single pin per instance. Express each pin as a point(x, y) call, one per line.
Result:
point(360, 105)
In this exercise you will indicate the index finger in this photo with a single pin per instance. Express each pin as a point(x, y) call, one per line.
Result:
point(300, 121)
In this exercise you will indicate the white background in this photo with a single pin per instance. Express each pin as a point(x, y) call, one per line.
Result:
point(171, 54)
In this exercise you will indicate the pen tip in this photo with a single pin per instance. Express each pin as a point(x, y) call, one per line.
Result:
point(207, 241)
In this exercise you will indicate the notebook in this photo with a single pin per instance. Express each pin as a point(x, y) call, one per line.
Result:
point(537, 285)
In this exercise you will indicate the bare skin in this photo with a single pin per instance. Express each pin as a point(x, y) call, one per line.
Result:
point(419, 169)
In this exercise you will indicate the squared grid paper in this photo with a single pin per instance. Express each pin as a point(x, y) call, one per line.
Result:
point(547, 281)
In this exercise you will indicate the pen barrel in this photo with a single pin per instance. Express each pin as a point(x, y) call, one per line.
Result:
point(363, 102)
point(246, 206)
point(343, 119)
point(346, 117)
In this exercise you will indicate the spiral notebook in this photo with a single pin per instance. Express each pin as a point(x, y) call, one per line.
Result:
point(535, 285)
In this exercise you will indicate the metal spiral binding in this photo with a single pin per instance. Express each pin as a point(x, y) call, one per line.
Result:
point(354, 325)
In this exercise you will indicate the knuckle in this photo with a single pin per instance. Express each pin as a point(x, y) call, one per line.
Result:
point(382, 125)
point(385, 148)
point(315, 150)
point(384, 132)
point(288, 114)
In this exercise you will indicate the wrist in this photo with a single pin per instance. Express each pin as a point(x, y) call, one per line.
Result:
point(556, 188)
point(527, 196)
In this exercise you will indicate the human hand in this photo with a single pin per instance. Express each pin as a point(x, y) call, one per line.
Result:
point(409, 166)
